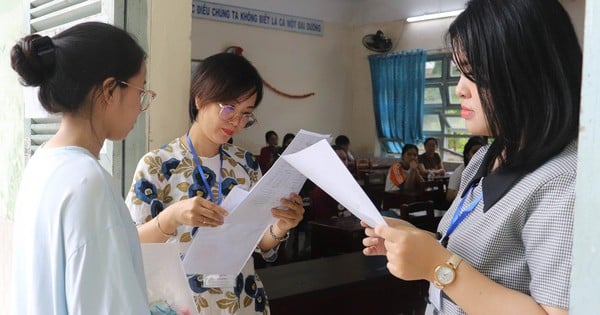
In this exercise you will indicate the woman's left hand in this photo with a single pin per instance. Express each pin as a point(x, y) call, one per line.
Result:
point(412, 253)
point(374, 244)
point(292, 215)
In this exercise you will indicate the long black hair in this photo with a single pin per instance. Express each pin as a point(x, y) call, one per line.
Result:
point(526, 61)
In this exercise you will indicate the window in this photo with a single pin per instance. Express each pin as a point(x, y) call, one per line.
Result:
point(441, 114)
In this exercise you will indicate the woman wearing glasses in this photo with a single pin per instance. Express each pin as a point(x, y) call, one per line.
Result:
point(75, 248)
point(179, 187)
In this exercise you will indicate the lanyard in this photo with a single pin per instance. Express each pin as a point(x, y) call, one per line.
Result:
point(461, 214)
point(199, 166)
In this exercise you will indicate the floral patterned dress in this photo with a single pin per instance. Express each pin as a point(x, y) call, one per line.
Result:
point(168, 175)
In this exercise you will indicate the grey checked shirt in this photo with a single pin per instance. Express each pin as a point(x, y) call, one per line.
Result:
point(520, 235)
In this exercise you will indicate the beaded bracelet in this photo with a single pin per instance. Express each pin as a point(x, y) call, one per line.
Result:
point(163, 232)
point(277, 238)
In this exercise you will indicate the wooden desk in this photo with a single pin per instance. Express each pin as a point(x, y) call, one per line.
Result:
point(335, 236)
point(373, 183)
point(434, 190)
point(394, 199)
point(444, 179)
point(344, 284)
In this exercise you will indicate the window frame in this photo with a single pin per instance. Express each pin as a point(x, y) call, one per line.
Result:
point(446, 135)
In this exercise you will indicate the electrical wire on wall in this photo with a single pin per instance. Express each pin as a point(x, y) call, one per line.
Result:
point(238, 51)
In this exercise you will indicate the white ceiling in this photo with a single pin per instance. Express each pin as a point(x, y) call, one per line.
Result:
point(373, 11)
point(351, 12)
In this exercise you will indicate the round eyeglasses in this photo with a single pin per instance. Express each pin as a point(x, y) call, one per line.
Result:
point(227, 113)
point(146, 97)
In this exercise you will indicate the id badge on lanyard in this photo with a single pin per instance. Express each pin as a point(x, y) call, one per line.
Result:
point(204, 181)
point(214, 280)
point(219, 281)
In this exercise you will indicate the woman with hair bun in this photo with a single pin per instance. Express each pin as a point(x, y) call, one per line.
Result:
point(76, 249)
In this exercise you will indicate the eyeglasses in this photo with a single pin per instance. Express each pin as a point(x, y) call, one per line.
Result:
point(227, 113)
point(146, 97)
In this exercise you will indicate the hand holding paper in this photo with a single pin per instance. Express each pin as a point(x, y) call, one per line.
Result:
point(225, 249)
point(322, 166)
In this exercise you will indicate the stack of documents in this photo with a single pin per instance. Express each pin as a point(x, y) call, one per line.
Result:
point(225, 249)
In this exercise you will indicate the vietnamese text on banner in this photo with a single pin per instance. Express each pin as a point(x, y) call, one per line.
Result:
point(239, 15)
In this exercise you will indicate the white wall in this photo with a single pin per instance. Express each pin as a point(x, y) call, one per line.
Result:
point(168, 69)
point(336, 11)
point(576, 10)
point(293, 63)
point(334, 66)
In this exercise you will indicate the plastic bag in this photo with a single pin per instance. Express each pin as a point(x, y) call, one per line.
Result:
point(168, 290)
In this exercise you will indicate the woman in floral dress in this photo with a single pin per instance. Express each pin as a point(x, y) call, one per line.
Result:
point(179, 187)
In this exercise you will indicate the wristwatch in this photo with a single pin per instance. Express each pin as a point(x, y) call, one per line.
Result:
point(445, 274)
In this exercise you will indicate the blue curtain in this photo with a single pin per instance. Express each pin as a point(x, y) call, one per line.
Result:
point(398, 81)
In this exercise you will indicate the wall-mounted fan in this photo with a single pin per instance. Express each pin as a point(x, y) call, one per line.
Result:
point(377, 42)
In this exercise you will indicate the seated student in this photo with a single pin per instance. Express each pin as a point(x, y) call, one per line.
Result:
point(268, 153)
point(469, 150)
point(430, 162)
point(324, 206)
point(287, 139)
point(404, 175)
point(341, 154)
point(343, 142)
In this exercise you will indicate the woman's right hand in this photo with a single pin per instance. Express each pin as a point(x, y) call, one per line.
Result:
point(197, 211)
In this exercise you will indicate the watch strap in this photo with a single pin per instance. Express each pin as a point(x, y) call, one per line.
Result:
point(454, 261)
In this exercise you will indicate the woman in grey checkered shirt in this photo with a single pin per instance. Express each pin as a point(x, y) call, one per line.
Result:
point(504, 246)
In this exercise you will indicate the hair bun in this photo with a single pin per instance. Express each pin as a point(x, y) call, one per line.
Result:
point(33, 59)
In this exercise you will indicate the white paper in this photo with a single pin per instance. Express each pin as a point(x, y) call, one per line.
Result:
point(226, 248)
point(234, 198)
point(165, 278)
point(324, 168)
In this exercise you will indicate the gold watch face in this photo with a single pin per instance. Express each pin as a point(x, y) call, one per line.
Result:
point(444, 274)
